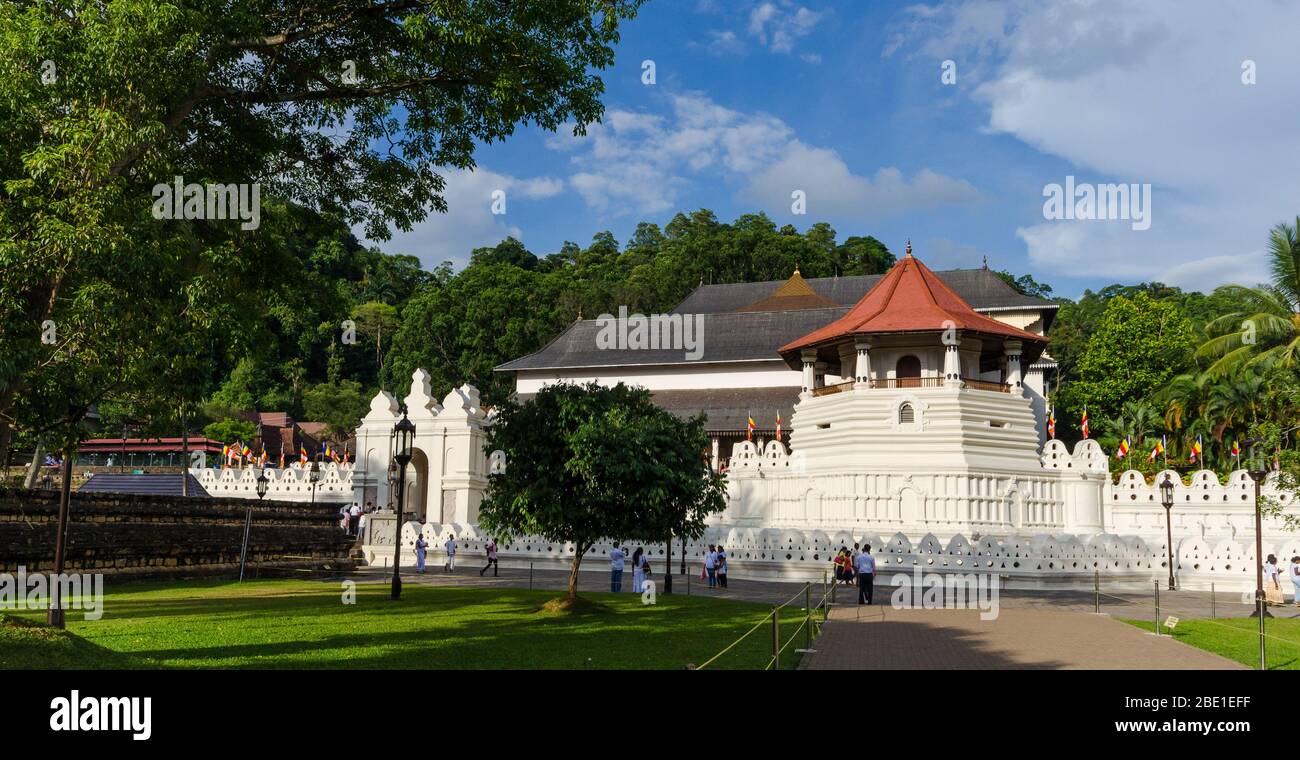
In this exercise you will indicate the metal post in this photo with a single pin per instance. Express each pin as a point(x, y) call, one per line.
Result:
point(1212, 609)
point(807, 606)
point(243, 551)
point(776, 638)
point(1157, 586)
point(530, 576)
point(1096, 591)
point(1263, 660)
point(668, 565)
point(688, 582)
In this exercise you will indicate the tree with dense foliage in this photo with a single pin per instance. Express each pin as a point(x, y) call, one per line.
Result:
point(586, 463)
point(347, 110)
point(339, 405)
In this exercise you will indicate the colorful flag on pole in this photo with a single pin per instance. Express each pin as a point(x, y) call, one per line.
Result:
point(749, 429)
point(302, 455)
point(1051, 422)
point(282, 456)
point(1122, 451)
point(778, 426)
point(1196, 451)
point(1158, 450)
point(1085, 420)
point(1236, 450)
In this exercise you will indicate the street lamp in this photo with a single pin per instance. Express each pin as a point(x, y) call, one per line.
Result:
point(400, 445)
point(1167, 499)
point(262, 482)
point(1258, 469)
point(313, 477)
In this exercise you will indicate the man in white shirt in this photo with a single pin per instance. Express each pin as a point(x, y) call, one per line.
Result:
point(865, 564)
point(711, 565)
point(616, 556)
point(354, 519)
point(451, 555)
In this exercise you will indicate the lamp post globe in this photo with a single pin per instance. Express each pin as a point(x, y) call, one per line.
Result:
point(262, 483)
point(401, 441)
point(1167, 501)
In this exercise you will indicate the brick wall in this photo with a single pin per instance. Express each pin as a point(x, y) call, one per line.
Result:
point(165, 535)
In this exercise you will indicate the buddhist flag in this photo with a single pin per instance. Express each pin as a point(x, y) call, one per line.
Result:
point(778, 426)
point(302, 454)
point(1196, 450)
point(1158, 450)
point(1051, 423)
point(1122, 451)
point(1085, 420)
point(749, 429)
point(1236, 450)
point(282, 456)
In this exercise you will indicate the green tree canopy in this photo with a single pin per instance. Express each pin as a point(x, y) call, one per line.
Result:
point(585, 463)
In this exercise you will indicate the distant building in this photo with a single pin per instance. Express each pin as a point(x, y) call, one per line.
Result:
point(146, 452)
point(150, 484)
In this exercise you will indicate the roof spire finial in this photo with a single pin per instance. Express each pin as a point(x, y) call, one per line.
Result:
point(796, 270)
point(909, 248)
point(986, 261)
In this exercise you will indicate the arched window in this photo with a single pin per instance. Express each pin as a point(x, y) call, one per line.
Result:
point(906, 415)
point(908, 372)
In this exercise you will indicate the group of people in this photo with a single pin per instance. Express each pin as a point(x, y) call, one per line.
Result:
point(715, 566)
point(856, 564)
point(422, 552)
point(1273, 581)
point(617, 564)
point(353, 518)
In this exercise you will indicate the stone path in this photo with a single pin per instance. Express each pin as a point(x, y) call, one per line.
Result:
point(1024, 638)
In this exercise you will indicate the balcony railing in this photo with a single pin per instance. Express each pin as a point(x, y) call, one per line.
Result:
point(827, 390)
point(912, 382)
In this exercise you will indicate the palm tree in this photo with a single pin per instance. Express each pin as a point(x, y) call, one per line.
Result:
point(1267, 329)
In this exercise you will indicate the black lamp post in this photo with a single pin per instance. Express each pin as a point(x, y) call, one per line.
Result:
point(401, 440)
point(262, 482)
point(1258, 471)
point(1167, 499)
point(313, 476)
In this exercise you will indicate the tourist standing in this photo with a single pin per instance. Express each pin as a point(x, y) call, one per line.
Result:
point(450, 546)
point(866, 567)
point(1295, 579)
point(491, 550)
point(616, 556)
point(1272, 587)
point(354, 519)
point(361, 526)
point(720, 562)
point(638, 570)
point(711, 565)
point(421, 549)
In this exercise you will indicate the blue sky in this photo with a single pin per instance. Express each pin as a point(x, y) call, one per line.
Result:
point(755, 99)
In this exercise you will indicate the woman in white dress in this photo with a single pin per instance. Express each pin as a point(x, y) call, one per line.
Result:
point(638, 571)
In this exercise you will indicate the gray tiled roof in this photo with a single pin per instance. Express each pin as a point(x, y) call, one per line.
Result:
point(742, 336)
point(164, 484)
point(981, 288)
point(727, 409)
point(731, 336)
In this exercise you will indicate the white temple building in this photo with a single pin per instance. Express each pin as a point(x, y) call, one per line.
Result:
point(926, 446)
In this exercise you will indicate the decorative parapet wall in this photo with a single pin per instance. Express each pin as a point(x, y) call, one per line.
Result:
point(1203, 508)
point(290, 484)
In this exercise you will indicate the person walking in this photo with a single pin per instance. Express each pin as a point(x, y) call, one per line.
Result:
point(491, 550)
point(354, 519)
point(639, 565)
point(1295, 579)
point(866, 567)
point(421, 549)
point(720, 564)
point(711, 565)
point(450, 546)
point(616, 556)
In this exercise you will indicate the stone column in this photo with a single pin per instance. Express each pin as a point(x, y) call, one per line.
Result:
point(862, 367)
point(951, 359)
point(714, 458)
point(819, 374)
point(809, 357)
point(1012, 350)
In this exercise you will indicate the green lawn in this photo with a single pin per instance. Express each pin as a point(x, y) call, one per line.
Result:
point(1238, 639)
point(304, 624)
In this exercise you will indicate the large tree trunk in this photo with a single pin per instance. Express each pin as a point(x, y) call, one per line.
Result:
point(34, 468)
point(578, 552)
point(54, 616)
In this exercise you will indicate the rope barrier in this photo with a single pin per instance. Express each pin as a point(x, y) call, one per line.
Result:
point(732, 645)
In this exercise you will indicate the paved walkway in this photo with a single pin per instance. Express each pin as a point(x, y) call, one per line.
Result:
point(1035, 629)
point(1022, 638)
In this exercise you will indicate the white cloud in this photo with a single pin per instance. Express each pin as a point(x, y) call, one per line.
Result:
point(1139, 92)
point(469, 222)
point(638, 163)
point(778, 25)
